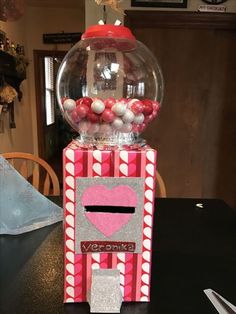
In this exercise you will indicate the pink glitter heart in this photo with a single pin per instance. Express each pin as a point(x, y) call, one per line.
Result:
point(100, 195)
point(108, 223)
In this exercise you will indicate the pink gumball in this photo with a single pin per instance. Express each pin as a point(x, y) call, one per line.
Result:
point(74, 116)
point(154, 114)
point(136, 106)
point(109, 102)
point(135, 128)
point(108, 115)
point(124, 100)
point(93, 128)
point(142, 127)
point(148, 119)
point(82, 110)
point(84, 126)
point(156, 106)
point(105, 128)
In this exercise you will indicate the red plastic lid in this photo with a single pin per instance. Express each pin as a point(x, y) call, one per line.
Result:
point(108, 30)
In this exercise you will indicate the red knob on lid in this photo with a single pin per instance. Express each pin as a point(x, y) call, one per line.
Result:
point(108, 30)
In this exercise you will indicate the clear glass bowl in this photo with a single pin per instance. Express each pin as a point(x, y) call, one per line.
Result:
point(109, 86)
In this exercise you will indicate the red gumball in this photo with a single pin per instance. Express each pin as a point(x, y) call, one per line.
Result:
point(108, 115)
point(147, 110)
point(147, 107)
point(137, 107)
point(85, 101)
point(109, 102)
point(147, 102)
point(82, 110)
point(93, 117)
point(78, 102)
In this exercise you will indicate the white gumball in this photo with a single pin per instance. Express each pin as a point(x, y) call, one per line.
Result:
point(117, 123)
point(119, 108)
point(69, 104)
point(84, 126)
point(126, 128)
point(128, 117)
point(139, 118)
point(98, 106)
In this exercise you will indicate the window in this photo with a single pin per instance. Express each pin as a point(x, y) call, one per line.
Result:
point(49, 91)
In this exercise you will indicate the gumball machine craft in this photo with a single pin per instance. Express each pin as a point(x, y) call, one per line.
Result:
point(109, 88)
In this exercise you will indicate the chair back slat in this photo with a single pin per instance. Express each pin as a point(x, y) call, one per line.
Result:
point(24, 170)
point(35, 180)
point(46, 187)
point(160, 186)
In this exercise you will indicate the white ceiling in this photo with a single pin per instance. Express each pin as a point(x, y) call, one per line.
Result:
point(57, 3)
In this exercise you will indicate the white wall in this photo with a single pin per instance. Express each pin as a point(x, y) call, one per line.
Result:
point(19, 139)
point(93, 12)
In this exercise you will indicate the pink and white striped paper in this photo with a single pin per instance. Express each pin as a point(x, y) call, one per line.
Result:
point(135, 269)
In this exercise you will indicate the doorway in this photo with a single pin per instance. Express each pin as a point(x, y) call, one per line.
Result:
point(53, 132)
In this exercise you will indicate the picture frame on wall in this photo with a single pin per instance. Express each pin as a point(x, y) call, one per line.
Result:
point(160, 3)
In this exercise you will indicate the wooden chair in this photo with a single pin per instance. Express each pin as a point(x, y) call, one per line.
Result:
point(35, 170)
point(160, 186)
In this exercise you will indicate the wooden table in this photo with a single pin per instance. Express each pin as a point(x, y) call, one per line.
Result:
point(194, 248)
